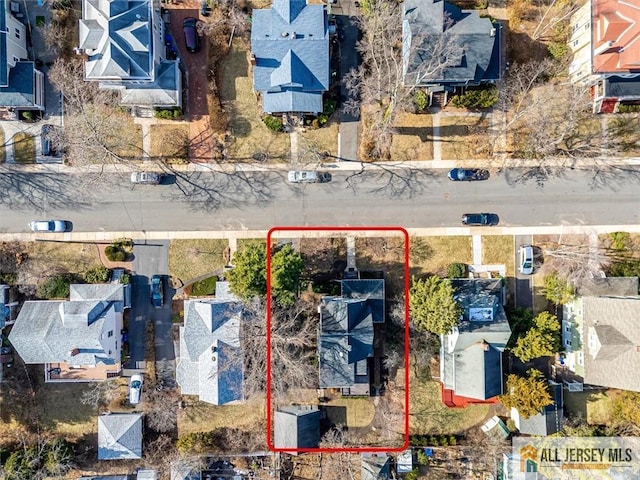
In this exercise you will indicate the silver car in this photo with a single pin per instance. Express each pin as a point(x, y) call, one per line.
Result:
point(308, 176)
point(135, 389)
point(146, 178)
point(525, 260)
point(53, 226)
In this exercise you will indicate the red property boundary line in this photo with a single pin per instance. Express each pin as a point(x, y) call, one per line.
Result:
point(338, 229)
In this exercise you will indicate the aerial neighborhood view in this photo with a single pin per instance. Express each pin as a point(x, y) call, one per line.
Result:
point(319, 239)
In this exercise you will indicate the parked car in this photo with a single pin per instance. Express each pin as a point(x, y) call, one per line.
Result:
point(525, 260)
point(191, 37)
point(147, 178)
point(6, 356)
point(157, 291)
point(480, 219)
point(50, 226)
point(45, 140)
point(468, 174)
point(135, 388)
point(308, 176)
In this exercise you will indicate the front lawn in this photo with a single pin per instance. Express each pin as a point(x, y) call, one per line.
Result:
point(499, 250)
point(412, 137)
point(24, 148)
point(464, 137)
point(204, 287)
point(169, 143)
point(192, 258)
point(432, 255)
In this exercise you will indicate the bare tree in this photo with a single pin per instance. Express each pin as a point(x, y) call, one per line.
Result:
point(577, 259)
point(293, 345)
point(553, 16)
point(100, 394)
point(160, 407)
point(379, 82)
point(97, 130)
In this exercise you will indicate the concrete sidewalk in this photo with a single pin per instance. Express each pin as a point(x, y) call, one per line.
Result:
point(106, 237)
point(230, 167)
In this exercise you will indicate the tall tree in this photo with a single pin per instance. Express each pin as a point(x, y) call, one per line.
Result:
point(432, 306)
point(248, 277)
point(542, 339)
point(529, 395)
point(557, 290)
point(286, 268)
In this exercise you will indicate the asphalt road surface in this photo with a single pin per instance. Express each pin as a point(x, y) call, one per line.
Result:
point(260, 200)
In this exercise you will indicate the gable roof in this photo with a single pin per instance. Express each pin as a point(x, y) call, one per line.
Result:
point(20, 91)
point(477, 41)
point(370, 290)
point(210, 363)
point(609, 286)
point(471, 355)
point(375, 466)
point(615, 33)
point(296, 426)
point(611, 338)
point(48, 331)
point(117, 35)
point(549, 420)
point(119, 436)
point(290, 43)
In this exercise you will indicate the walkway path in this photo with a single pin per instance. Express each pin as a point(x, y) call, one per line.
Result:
point(477, 249)
point(436, 140)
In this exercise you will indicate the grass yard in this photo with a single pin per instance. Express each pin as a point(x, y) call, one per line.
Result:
point(317, 141)
point(60, 409)
point(595, 407)
point(203, 417)
point(430, 416)
point(189, 259)
point(499, 249)
point(249, 134)
point(24, 148)
point(464, 137)
point(360, 411)
point(432, 255)
point(204, 287)
point(132, 149)
point(170, 142)
point(412, 138)
point(624, 129)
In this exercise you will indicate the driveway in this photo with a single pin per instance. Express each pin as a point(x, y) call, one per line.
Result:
point(151, 258)
point(524, 283)
point(196, 83)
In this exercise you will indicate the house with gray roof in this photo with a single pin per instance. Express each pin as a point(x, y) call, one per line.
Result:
point(81, 334)
point(375, 466)
point(346, 338)
point(123, 41)
point(548, 421)
point(290, 56)
point(444, 46)
point(600, 334)
point(296, 426)
point(21, 83)
point(471, 354)
point(210, 364)
point(120, 436)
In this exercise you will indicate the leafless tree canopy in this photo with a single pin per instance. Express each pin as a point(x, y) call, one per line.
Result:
point(293, 343)
point(97, 130)
point(100, 394)
point(160, 407)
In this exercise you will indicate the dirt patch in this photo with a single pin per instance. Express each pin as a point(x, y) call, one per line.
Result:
point(250, 138)
point(465, 137)
point(412, 137)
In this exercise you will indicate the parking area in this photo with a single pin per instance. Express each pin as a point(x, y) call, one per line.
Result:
point(196, 82)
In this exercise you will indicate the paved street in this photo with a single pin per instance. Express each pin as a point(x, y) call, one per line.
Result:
point(204, 201)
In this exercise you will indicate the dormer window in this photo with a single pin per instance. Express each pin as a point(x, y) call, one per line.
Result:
point(17, 30)
point(110, 334)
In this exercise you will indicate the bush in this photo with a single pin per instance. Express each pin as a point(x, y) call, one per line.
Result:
point(626, 108)
point(27, 115)
point(329, 106)
point(322, 119)
point(422, 458)
point(558, 50)
point(412, 475)
point(420, 100)
point(627, 268)
point(457, 270)
point(125, 279)
point(56, 287)
point(484, 98)
point(274, 124)
point(619, 240)
point(115, 254)
point(97, 275)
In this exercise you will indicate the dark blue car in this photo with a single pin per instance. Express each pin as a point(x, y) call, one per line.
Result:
point(468, 174)
point(157, 292)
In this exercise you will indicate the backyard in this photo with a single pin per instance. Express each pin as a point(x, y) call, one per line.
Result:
point(594, 406)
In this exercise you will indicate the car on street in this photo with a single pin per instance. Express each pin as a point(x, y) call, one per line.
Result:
point(147, 178)
point(53, 226)
point(468, 174)
point(135, 388)
point(157, 291)
point(480, 219)
point(191, 37)
point(308, 176)
point(525, 260)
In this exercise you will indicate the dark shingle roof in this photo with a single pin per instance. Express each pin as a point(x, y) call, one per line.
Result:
point(609, 286)
point(550, 420)
point(296, 427)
